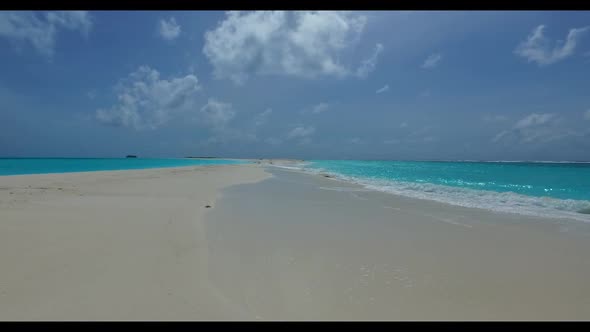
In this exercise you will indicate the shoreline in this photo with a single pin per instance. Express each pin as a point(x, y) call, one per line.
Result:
point(23, 166)
point(323, 250)
point(533, 204)
point(104, 172)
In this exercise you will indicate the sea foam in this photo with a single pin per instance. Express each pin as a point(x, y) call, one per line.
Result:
point(509, 202)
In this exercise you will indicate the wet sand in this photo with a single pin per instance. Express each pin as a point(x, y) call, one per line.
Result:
point(304, 247)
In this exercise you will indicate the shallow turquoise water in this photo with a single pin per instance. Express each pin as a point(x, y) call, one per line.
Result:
point(16, 166)
point(557, 180)
point(524, 187)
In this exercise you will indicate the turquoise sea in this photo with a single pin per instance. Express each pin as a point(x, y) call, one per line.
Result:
point(19, 166)
point(532, 188)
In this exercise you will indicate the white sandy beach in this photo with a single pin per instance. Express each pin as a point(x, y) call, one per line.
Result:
point(275, 245)
point(120, 245)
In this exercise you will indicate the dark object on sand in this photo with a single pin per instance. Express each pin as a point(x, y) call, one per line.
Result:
point(207, 206)
point(327, 176)
point(131, 156)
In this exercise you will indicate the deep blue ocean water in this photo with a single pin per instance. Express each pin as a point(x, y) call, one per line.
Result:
point(19, 166)
point(551, 189)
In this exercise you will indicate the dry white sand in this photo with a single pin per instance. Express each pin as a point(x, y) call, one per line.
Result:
point(117, 245)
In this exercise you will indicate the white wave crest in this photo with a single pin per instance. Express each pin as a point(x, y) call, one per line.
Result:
point(509, 202)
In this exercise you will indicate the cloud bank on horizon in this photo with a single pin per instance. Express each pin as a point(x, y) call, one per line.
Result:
point(301, 84)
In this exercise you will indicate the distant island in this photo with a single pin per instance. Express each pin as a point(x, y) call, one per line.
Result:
point(131, 156)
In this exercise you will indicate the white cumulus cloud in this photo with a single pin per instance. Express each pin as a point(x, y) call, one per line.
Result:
point(169, 29)
point(534, 120)
point(40, 29)
point(302, 134)
point(432, 61)
point(383, 89)
point(262, 118)
point(91, 94)
point(534, 128)
point(317, 108)
point(304, 44)
point(537, 48)
point(367, 66)
point(216, 113)
point(147, 101)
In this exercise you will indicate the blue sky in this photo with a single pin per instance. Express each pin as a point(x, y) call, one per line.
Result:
point(378, 85)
